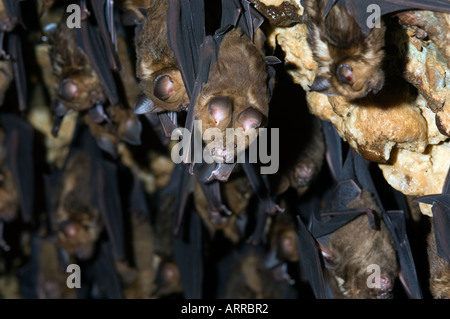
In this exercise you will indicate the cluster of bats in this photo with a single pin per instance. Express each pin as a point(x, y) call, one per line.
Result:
point(219, 229)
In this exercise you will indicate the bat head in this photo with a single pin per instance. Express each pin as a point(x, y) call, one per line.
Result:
point(78, 233)
point(80, 92)
point(166, 90)
point(352, 252)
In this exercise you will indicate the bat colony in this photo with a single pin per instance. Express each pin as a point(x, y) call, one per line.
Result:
point(116, 89)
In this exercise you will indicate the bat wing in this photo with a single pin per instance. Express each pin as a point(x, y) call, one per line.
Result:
point(310, 261)
point(106, 275)
point(361, 10)
point(90, 41)
point(395, 221)
point(104, 14)
point(441, 224)
point(188, 250)
point(16, 56)
point(110, 206)
point(19, 143)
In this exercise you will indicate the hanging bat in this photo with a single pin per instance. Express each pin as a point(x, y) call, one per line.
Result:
point(78, 223)
point(349, 52)
point(81, 214)
point(355, 194)
point(156, 67)
point(79, 87)
point(235, 96)
point(349, 62)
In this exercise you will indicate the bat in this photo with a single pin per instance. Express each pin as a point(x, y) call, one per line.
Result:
point(349, 62)
point(156, 67)
point(353, 195)
point(360, 10)
point(236, 95)
point(83, 213)
point(79, 87)
point(168, 281)
point(78, 224)
point(347, 48)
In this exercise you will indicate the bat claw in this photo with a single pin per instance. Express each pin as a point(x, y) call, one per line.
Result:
point(144, 105)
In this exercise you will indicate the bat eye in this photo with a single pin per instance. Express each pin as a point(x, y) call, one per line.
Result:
point(163, 87)
point(68, 90)
point(220, 108)
point(250, 118)
point(345, 73)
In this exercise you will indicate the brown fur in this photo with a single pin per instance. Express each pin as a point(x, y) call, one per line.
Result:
point(439, 270)
point(9, 198)
point(155, 58)
point(70, 63)
point(239, 73)
point(338, 40)
point(354, 247)
point(283, 238)
point(73, 208)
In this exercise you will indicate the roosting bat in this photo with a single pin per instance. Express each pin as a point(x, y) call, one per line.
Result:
point(235, 96)
point(79, 86)
point(78, 223)
point(87, 200)
point(380, 235)
point(348, 51)
point(156, 67)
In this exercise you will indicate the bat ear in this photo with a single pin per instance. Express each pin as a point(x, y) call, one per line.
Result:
point(67, 90)
point(163, 87)
point(250, 118)
point(320, 84)
point(344, 73)
point(220, 108)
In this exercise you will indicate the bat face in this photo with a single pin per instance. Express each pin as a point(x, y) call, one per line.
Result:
point(235, 96)
point(77, 221)
point(156, 66)
point(352, 249)
point(349, 63)
point(79, 86)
